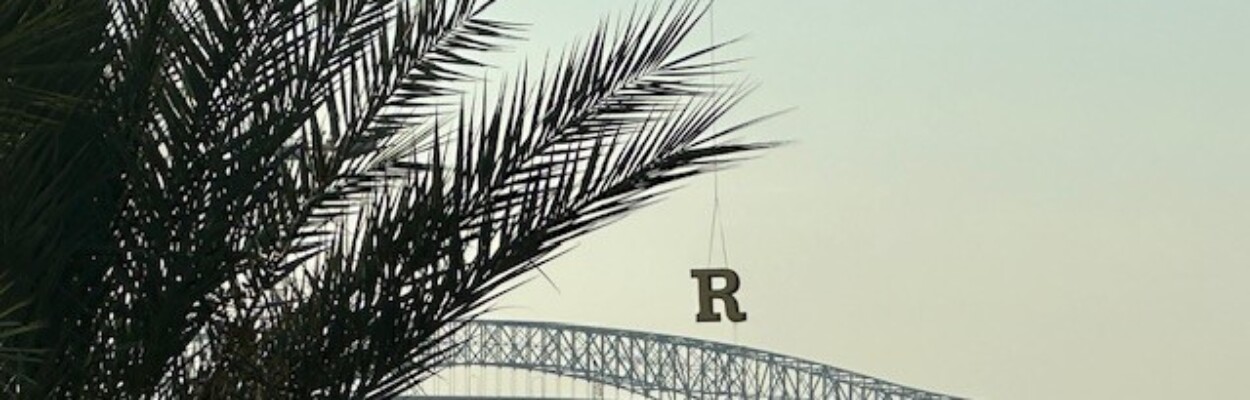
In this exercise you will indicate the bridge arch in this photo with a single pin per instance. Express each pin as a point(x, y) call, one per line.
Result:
point(661, 366)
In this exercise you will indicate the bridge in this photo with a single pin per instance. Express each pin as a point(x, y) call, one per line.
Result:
point(640, 365)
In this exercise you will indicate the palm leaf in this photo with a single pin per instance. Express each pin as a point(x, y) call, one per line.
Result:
point(247, 189)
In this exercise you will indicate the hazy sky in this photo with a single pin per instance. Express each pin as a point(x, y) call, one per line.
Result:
point(1000, 200)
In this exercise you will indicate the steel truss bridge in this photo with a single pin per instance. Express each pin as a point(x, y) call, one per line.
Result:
point(656, 366)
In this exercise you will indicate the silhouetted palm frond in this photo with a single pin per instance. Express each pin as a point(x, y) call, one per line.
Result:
point(293, 198)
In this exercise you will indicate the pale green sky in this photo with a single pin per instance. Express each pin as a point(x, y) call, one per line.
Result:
point(1001, 200)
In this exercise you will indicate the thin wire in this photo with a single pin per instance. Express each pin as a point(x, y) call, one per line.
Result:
point(718, 223)
point(717, 220)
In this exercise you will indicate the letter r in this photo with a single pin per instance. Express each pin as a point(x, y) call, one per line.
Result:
point(724, 294)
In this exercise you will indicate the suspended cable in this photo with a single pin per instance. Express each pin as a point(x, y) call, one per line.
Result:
point(718, 224)
point(717, 228)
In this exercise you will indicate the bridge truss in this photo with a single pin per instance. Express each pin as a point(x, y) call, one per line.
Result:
point(657, 366)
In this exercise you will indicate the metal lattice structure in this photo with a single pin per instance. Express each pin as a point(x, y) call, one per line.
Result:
point(662, 366)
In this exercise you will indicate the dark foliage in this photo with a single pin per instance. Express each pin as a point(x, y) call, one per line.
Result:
point(291, 198)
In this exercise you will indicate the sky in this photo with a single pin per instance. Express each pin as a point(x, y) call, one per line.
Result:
point(996, 200)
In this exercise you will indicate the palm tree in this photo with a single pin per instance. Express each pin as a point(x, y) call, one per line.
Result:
point(296, 198)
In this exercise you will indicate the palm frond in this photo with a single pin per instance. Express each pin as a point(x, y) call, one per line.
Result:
point(46, 64)
point(247, 189)
point(602, 133)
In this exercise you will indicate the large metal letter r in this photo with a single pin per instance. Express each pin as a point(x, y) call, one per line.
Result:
point(725, 294)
